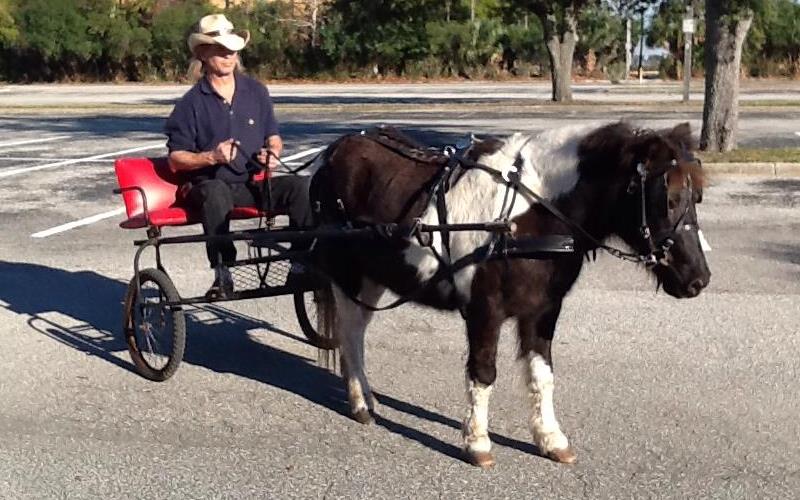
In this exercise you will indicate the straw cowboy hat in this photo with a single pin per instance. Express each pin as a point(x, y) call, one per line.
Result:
point(215, 29)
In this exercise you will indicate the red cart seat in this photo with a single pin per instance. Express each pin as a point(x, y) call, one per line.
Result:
point(160, 186)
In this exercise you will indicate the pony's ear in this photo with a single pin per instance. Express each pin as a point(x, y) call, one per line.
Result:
point(681, 135)
point(653, 150)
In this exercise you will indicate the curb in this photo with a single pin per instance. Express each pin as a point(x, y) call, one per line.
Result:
point(767, 169)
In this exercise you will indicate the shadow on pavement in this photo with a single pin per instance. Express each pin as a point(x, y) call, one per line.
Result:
point(83, 310)
point(783, 252)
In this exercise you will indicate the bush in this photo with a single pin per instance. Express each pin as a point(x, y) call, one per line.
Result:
point(669, 67)
point(523, 48)
point(171, 27)
point(275, 46)
point(465, 49)
point(430, 67)
point(387, 34)
point(615, 71)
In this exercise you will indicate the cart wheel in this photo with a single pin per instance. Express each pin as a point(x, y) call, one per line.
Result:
point(305, 306)
point(155, 331)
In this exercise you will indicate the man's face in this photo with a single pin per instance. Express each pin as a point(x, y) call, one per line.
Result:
point(219, 60)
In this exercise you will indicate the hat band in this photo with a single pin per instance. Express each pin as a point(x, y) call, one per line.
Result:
point(218, 32)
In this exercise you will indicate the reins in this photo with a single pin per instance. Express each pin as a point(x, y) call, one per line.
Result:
point(451, 161)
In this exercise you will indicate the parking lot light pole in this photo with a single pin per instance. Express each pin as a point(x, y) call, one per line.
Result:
point(641, 46)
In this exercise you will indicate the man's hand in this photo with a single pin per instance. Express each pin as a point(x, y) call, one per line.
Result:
point(268, 157)
point(225, 152)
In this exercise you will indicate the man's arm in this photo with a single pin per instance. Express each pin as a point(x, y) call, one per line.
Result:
point(182, 161)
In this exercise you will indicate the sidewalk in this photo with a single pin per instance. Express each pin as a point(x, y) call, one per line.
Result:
point(761, 169)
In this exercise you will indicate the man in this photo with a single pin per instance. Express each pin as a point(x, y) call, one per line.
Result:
point(212, 132)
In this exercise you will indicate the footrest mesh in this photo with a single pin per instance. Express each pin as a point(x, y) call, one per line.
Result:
point(264, 275)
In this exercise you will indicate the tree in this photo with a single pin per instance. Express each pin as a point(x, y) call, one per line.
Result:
point(727, 23)
point(8, 28)
point(627, 9)
point(602, 36)
point(773, 42)
point(667, 30)
point(559, 20)
point(383, 34)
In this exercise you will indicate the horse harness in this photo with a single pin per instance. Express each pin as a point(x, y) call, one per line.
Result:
point(455, 161)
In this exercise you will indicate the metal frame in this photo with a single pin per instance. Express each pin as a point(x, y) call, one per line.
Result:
point(526, 247)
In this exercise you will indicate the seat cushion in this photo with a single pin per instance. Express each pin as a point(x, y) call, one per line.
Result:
point(172, 216)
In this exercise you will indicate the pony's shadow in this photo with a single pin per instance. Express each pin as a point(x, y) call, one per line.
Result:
point(83, 310)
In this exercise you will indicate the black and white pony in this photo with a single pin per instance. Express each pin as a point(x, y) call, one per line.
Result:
point(639, 185)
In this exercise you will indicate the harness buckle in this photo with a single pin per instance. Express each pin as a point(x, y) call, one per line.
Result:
point(511, 175)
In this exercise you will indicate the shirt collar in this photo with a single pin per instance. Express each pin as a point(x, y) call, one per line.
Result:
point(206, 88)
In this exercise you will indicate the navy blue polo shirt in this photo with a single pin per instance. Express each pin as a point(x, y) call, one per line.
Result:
point(202, 119)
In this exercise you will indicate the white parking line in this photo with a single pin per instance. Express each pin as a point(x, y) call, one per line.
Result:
point(301, 154)
point(78, 223)
point(112, 213)
point(33, 141)
point(39, 158)
point(22, 170)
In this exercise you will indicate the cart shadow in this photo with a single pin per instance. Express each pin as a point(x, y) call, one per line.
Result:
point(83, 310)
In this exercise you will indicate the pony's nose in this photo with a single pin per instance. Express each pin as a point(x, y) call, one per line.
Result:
point(695, 287)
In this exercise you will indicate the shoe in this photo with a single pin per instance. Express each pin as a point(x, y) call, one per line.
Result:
point(222, 288)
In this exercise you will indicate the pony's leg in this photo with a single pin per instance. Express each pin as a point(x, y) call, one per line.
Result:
point(483, 332)
point(536, 336)
point(351, 323)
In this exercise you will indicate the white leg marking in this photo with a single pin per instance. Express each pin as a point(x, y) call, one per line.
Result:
point(351, 323)
point(539, 379)
point(476, 425)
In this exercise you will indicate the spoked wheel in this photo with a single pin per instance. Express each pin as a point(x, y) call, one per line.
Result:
point(155, 331)
point(305, 306)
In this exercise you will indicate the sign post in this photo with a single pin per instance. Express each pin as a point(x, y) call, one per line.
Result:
point(688, 30)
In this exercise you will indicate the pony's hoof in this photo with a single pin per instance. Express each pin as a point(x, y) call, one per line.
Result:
point(563, 456)
point(363, 416)
point(483, 459)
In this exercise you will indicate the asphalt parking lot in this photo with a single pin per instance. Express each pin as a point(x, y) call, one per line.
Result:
point(661, 398)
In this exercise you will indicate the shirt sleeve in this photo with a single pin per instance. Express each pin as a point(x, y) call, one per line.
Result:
point(270, 123)
point(181, 128)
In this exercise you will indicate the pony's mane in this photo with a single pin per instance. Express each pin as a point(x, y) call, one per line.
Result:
point(555, 158)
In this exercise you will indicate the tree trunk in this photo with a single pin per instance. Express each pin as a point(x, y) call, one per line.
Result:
point(314, 8)
point(725, 36)
point(561, 40)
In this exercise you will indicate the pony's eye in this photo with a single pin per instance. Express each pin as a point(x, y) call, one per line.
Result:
point(672, 204)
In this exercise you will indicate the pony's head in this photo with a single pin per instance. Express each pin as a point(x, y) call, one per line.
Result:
point(658, 217)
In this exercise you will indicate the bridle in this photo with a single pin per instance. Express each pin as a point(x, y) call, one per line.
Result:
point(659, 245)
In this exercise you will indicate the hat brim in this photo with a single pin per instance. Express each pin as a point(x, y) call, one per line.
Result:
point(232, 41)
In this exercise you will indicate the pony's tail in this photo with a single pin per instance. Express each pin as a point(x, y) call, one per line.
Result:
point(326, 327)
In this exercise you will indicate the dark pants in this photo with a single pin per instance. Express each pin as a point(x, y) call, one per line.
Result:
point(214, 199)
